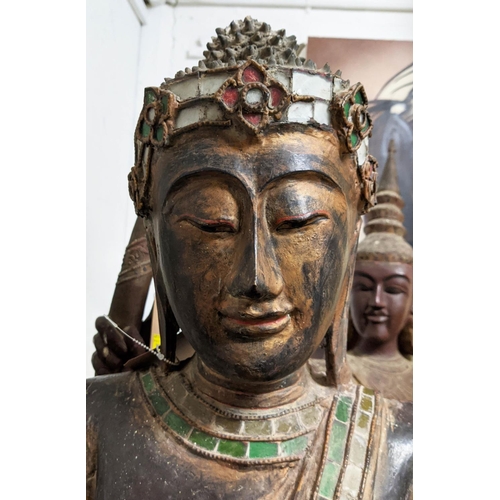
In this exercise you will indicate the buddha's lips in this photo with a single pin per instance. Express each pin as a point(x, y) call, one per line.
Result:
point(377, 318)
point(263, 320)
point(257, 325)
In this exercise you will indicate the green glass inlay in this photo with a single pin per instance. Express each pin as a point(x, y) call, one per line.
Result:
point(358, 98)
point(159, 133)
point(347, 107)
point(261, 449)
point(197, 410)
point(346, 399)
point(366, 404)
point(178, 424)
point(164, 103)
point(354, 139)
point(203, 440)
point(159, 403)
point(337, 441)
point(370, 392)
point(293, 446)
point(363, 421)
point(227, 424)
point(366, 126)
point(149, 97)
point(342, 412)
point(329, 479)
point(145, 129)
point(233, 448)
point(258, 428)
point(148, 382)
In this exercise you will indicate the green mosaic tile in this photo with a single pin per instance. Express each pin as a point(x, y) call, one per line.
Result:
point(358, 98)
point(354, 139)
point(227, 424)
point(363, 421)
point(149, 97)
point(159, 133)
point(145, 129)
point(233, 448)
point(203, 440)
point(346, 399)
point(366, 404)
point(287, 424)
point(342, 412)
point(159, 403)
point(260, 449)
point(148, 382)
point(337, 441)
point(347, 107)
point(258, 428)
point(178, 424)
point(294, 446)
point(164, 104)
point(329, 480)
point(310, 416)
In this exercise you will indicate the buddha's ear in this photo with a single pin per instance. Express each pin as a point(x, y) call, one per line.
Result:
point(166, 320)
point(337, 370)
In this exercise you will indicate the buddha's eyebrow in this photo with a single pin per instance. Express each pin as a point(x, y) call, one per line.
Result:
point(363, 275)
point(397, 276)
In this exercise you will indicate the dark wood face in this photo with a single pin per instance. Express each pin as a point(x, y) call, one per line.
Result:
point(381, 300)
point(253, 242)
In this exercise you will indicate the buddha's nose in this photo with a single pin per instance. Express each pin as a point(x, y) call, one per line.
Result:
point(256, 272)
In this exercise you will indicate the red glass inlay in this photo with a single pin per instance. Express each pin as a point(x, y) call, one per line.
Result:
point(251, 74)
point(254, 119)
point(276, 96)
point(230, 96)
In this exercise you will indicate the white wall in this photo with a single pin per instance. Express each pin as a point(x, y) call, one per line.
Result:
point(129, 49)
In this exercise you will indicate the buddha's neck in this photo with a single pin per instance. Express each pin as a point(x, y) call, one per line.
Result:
point(254, 395)
point(366, 347)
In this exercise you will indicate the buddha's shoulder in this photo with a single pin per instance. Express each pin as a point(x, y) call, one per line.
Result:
point(107, 392)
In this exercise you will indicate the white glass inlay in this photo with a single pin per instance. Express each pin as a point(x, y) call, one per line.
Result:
point(322, 113)
point(300, 112)
point(315, 85)
point(187, 89)
point(188, 116)
point(362, 151)
point(210, 84)
point(254, 96)
point(213, 112)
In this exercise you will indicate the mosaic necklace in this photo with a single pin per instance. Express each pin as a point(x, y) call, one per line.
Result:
point(346, 456)
point(214, 430)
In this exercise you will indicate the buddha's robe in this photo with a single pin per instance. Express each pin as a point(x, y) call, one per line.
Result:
point(151, 435)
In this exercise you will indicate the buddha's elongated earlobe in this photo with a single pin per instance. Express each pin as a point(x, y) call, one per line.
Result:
point(166, 319)
point(337, 370)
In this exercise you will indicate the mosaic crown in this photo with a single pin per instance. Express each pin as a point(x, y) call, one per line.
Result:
point(252, 75)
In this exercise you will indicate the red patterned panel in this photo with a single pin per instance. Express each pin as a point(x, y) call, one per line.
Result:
point(253, 118)
point(251, 74)
point(276, 96)
point(230, 96)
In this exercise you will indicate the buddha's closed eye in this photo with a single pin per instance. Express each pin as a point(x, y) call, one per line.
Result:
point(299, 221)
point(209, 225)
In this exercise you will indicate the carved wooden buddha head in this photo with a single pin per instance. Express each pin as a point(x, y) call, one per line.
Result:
point(382, 292)
point(251, 173)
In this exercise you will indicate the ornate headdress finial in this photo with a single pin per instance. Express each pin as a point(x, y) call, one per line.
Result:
point(252, 75)
point(384, 228)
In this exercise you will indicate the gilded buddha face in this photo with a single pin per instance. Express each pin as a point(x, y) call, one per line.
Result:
point(381, 300)
point(253, 239)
